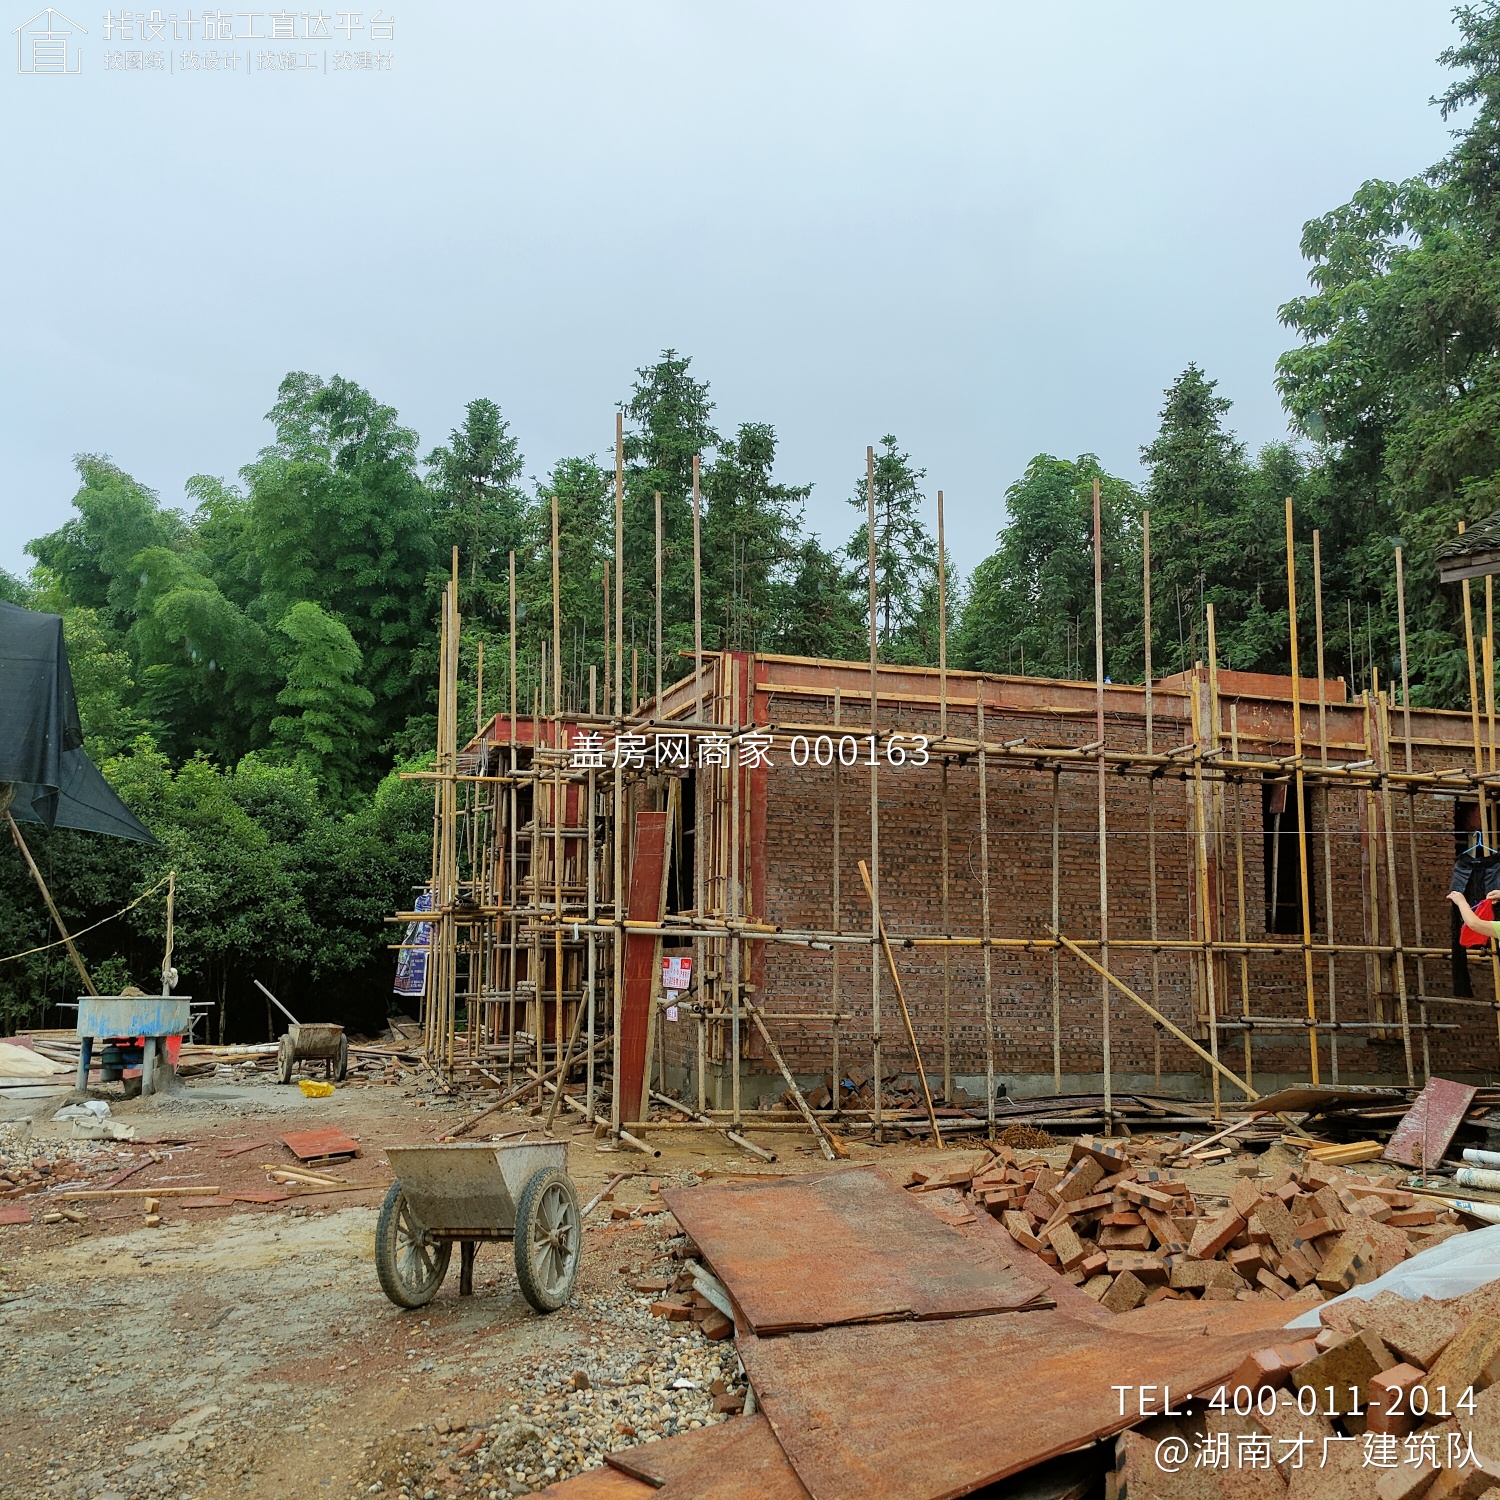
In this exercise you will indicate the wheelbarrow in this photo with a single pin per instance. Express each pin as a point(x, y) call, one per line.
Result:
point(479, 1190)
point(318, 1041)
point(313, 1042)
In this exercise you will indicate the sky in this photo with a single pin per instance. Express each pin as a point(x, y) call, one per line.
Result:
point(994, 229)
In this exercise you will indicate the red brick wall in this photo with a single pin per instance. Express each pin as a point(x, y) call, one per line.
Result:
point(798, 894)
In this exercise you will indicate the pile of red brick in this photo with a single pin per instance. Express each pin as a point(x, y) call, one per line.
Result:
point(679, 1301)
point(1129, 1233)
point(1392, 1399)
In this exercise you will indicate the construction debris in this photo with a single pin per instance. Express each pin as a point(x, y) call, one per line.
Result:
point(1129, 1233)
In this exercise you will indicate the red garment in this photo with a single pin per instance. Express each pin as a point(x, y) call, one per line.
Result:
point(1468, 937)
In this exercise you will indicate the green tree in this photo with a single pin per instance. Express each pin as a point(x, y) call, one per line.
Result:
point(905, 554)
point(92, 556)
point(479, 506)
point(668, 421)
point(1030, 604)
point(1195, 494)
point(751, 535)
point(339, 516)
point(326, 730)
point(204, 667)
point(825, 611)
point(1397, 378)
point(104, 684)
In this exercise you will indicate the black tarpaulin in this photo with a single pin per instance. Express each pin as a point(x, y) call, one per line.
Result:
point(41, 739)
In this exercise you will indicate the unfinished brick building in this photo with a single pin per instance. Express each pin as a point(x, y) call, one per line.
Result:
point(779, 872)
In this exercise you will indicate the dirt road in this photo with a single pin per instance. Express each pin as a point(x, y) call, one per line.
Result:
point(248, 1350)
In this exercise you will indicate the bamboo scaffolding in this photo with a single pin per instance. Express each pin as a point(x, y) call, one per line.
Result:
point(503, 811)
point(1486, 820)
point(942, 574)
point(1109, 1084)
point(1328, 905)
point(1398, 961)
point(1150, 829)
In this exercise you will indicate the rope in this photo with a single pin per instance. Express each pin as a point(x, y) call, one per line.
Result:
point(10, 957)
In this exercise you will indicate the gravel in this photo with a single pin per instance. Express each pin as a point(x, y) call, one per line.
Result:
point(644, 1379)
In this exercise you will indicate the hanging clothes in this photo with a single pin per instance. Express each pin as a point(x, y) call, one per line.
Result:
point(1476, 872)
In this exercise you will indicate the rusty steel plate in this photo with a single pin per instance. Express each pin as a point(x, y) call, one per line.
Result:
point(928, 1411)
point(316, 1145)
point(735, 1460)
point(843, 1247)
point(602, 1483)
point(1428, 1127)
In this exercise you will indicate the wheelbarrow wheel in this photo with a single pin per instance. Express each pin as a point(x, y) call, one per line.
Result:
point(338, 1067)
point(548, 1239)
point(410, 1263)
point(286, 1058)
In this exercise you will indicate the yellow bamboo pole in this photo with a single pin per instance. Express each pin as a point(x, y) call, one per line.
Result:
point(1307, 963)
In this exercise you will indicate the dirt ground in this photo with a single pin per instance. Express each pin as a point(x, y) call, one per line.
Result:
point(249, 1350)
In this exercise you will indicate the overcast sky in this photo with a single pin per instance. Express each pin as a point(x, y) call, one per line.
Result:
point(994, 229)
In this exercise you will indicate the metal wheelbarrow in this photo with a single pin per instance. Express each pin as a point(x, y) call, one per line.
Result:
point(304, 1041)
point(471, 1191)
point(313, 1042)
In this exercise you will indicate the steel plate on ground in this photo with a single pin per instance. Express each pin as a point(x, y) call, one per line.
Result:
point(735, 1460)
point(929, 1411)
point(842, 1247)
point(317, 1145)
point(1428, 1127)
point(602, 1483)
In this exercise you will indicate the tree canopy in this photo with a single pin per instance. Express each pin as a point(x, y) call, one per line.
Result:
point(255, 666)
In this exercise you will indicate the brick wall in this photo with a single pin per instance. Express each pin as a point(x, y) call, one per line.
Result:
point(798, 893)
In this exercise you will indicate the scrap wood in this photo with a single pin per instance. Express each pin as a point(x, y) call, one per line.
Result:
point(241, 1150)
point(298, 1174)
point(732, 1135)
point(149, 1192)
point(603, 1193)
point(311, 1191)
point(1345, 1155)
point(911, 1035)
point(832, 1151)
point(519, 1091)
point(130, 1171)
point(1151, 1010)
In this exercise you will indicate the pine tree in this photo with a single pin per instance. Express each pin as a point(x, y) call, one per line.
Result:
point(1194, 494)
point(479, 506)
point(905, 555)
point(751, 536)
